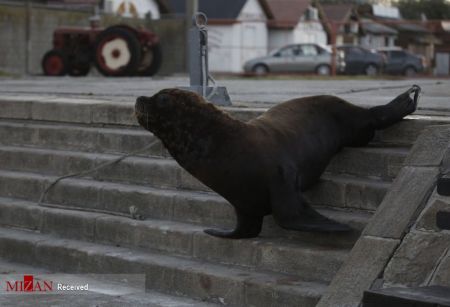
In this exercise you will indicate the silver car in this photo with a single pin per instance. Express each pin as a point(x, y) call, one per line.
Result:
point(298, 58)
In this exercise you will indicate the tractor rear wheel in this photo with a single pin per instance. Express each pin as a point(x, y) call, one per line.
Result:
point(151, 61)
point(55, 63)
point(117, 52)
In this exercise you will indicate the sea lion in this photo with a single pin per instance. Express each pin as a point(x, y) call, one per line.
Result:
point(261, 167)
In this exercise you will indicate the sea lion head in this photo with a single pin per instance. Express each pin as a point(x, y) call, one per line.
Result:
point(166, 108)
point(186, 124)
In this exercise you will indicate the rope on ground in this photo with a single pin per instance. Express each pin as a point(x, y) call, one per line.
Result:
point(133, 210)
point(369, 89)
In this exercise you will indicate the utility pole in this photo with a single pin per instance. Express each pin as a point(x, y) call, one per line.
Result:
point(191, 9)
point(27, 36)
point(334, 30)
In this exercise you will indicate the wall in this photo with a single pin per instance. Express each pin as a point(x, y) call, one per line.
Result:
point(224, 45)
point(230, 46)
point(310, 32)
point(442, 64)
point(304, 32)
point(372, 41)
point(43, 21)
point(279, 38)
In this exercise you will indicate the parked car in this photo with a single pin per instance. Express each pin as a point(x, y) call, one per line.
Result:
point(401, 62)
point(361, 61)
point(298, 58)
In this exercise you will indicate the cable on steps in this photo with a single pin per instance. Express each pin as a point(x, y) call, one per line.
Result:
point(132, 209)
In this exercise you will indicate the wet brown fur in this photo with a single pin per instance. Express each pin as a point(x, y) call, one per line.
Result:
point(262, 166)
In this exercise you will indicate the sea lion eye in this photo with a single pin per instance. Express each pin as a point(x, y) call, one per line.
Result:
point(162, 100)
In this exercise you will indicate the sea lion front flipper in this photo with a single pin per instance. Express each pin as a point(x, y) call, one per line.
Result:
point(291, 211)
point(247, 227)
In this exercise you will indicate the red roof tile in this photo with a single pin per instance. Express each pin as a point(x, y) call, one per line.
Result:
point(286, 13)
point(337, 12)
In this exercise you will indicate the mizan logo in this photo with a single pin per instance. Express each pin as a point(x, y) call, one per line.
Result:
point(28, 284)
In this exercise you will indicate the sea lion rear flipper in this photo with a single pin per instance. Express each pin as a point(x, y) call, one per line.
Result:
point(391, 113)
point(247, 227)
point(291, 211)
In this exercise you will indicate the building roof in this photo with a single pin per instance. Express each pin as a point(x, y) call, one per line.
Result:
point(337, 12)
point(286, 13)
point(74, 2)
point(214, 9)
point(411, 27)
point(373, 27)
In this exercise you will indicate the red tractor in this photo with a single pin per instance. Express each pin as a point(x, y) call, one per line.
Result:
point(116, 51)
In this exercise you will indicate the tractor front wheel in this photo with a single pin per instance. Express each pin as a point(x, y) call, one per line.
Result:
point(55, 63)
point(117, 52)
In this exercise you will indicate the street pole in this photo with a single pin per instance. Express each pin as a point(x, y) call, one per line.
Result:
point(191, 9)
point(334, 29)
point(27, 36)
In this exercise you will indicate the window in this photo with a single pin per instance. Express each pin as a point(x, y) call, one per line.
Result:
point(397, 54)
point(288, 51)
point(311, 14)
point(309, 50)
point(355, 50)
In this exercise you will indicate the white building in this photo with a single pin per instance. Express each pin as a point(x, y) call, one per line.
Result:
point(231, 45)
point(237, 31)
point(376, 35)
point(294, 22)
point(133, 8)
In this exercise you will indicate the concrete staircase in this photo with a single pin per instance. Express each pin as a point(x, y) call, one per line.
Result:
point(85, 224)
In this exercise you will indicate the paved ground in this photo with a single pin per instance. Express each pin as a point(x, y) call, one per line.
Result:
point(244, 92)
point(104, 290)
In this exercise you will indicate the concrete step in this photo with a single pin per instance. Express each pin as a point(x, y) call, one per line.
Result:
point(314, 262)
point(128, 139)
point(52, 127)
point(380, 162)
point(373, 162)
point(406, 132)
point(114, 290)
point(77, 137)
point(346, 191)
point(85, 111)
point(176, 205)
point(155, 171)
point(168, 274)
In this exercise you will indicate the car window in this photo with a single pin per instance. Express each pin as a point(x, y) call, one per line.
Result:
point(397, 54)
point(356, 50)
point(322, 50)
point(309, 50)
point(288, 51)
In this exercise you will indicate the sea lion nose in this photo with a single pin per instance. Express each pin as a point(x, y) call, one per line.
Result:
point(140, 100)
point(140, 104)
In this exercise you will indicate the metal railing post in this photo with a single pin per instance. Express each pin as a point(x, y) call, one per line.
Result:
point(198, 63)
